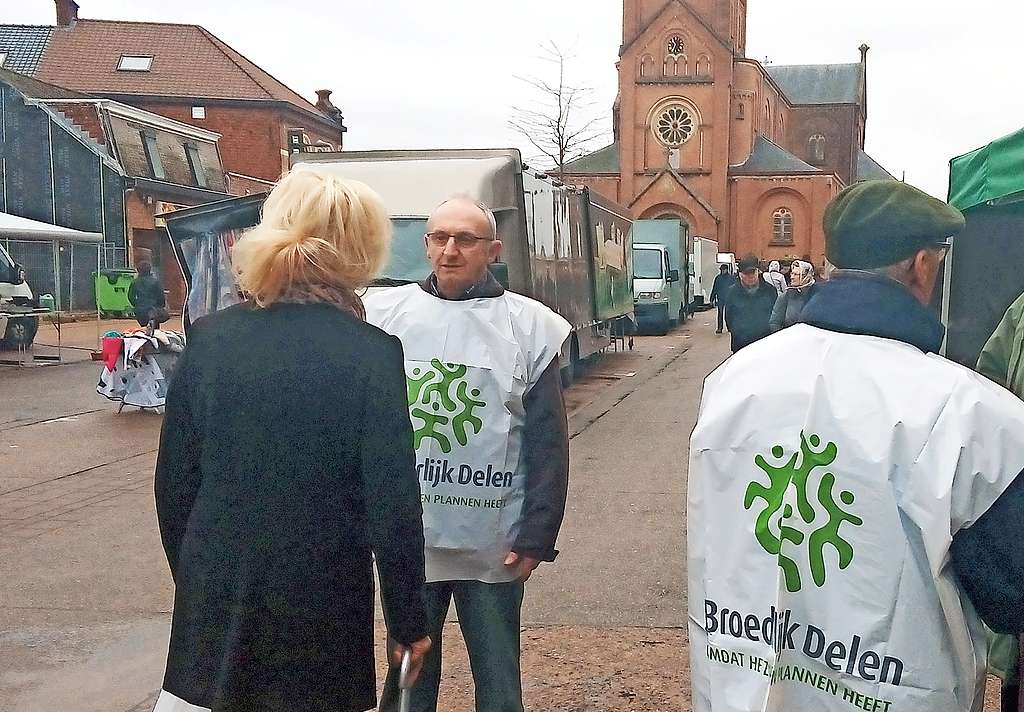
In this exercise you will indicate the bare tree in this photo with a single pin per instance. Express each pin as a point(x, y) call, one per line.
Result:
point(562, 124)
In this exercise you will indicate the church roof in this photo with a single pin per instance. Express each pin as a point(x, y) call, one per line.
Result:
point(818, 83)
point(604, 160)
point(870, 169)
point(768, 158)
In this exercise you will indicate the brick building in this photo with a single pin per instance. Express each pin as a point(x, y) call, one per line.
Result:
point(103, 166)
point(743, 153)
point(185, 73)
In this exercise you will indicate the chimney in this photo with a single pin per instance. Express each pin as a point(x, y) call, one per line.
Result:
point(324, 104)
point(323, 101)
point(67, 13)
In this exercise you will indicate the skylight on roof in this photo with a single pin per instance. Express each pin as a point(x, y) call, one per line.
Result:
point(134, 63)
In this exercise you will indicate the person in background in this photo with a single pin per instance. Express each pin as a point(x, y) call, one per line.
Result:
point(791, 302)
point(1002, 361)
point(724, 281)
point(285, 461)
point(492, 446)
point(749, 305)
point(775, 277)
point(146, 295)
point(1002, 358)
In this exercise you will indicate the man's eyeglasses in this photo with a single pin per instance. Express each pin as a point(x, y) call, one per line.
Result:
point(463, 240)
point(942, 247)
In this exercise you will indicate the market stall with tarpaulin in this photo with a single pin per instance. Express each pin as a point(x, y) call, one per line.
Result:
point(41, 249)
point(985, 269)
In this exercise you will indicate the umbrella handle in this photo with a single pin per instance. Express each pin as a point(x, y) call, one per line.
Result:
point(404, 669)
point(404, 684)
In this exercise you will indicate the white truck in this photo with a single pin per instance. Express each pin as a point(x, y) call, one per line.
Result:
point(703, 270)
point(15, 294)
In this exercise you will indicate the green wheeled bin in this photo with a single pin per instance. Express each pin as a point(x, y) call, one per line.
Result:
point(112, 291)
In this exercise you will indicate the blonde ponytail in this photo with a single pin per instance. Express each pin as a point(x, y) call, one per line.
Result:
point(317, 230)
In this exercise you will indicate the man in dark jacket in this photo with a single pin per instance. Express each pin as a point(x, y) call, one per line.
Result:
point(720, 291)
point(147, 296)
point(493, 493)
point(748, 306)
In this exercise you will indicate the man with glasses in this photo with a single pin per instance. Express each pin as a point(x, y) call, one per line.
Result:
point(855, 501)
point(491, 442)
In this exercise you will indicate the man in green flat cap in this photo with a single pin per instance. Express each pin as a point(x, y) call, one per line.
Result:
point(855, 501)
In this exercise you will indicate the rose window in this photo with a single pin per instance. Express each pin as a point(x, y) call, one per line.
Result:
point(674, 125)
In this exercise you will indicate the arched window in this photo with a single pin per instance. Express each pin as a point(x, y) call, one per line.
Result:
point(741, 111)
point(676, 66)
point(703, 66)
point(646, 65)
point(782, 227)
point(816, 148)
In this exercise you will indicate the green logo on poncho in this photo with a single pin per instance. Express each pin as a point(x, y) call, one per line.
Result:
point(795, 472)
point(442, 405)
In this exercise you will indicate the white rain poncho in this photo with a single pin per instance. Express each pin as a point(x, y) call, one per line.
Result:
point(469, 364)
point(828, 474)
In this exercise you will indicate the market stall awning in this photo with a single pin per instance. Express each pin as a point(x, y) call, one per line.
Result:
point(991, 175)
point(13, 227)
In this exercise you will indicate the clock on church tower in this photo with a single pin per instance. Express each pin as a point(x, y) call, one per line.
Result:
point(676, 47)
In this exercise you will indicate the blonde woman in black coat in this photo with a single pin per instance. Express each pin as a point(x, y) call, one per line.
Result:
point(285, 460)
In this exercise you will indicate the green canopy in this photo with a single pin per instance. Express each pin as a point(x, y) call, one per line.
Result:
point(993, 174)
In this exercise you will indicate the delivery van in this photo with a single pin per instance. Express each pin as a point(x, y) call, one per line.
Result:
point(703, 270)
point(660, 294)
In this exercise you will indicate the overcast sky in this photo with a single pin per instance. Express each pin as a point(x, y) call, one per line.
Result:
point(944, 75)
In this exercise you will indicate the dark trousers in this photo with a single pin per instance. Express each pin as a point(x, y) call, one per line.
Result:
point(721, 317)
point(489, 615)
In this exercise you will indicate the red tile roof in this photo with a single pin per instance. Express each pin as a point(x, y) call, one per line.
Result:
point(188, 61)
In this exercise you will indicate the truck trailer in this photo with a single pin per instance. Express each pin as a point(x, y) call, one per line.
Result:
point(563, 245)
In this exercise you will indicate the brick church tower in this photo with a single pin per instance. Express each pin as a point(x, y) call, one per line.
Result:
point(744, 154)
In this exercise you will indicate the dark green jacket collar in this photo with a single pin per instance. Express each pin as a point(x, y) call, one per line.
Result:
point(855, 302)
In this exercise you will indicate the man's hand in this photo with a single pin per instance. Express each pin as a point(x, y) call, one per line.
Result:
point(524, 564)
point(419, 650)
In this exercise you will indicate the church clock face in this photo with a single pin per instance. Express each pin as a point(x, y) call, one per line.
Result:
point(675, 46)
point(674, 124)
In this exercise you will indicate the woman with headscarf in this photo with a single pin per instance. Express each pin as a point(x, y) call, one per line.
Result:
point(285, 460)
point(791, 302)
point(775, 277)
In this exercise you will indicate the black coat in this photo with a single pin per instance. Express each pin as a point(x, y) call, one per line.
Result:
point(720, 290)
point(286, 457)
point(145, 293)
point(747, 313)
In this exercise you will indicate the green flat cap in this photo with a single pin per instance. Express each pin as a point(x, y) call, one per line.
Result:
point(877, 223)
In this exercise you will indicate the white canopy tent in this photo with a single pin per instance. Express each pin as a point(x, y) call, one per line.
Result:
point(15, 230)
point(13, 227)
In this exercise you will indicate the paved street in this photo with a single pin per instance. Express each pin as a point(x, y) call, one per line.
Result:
point(85, 596)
